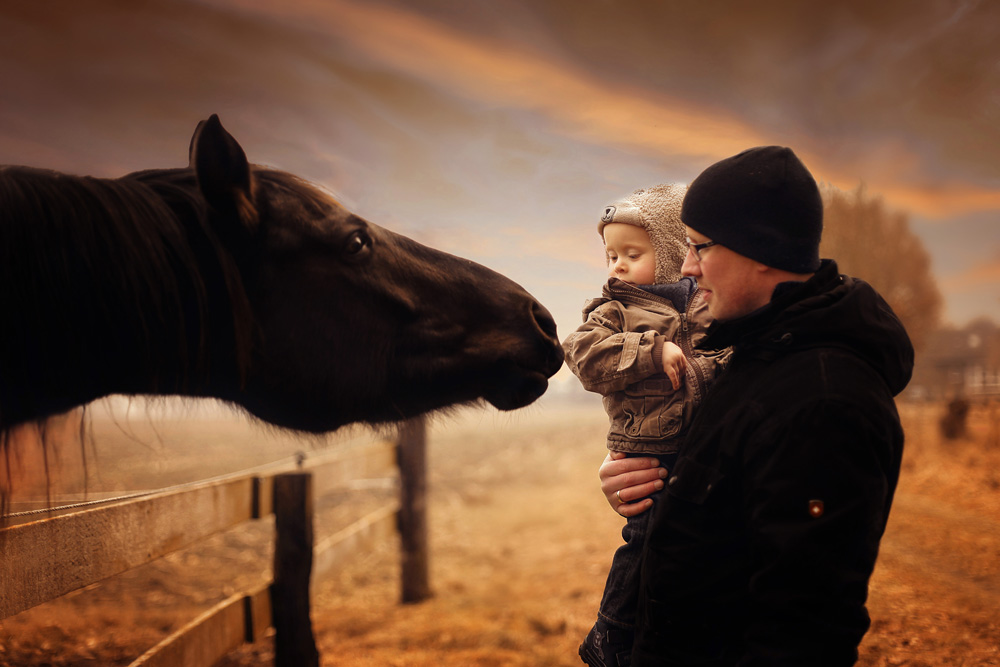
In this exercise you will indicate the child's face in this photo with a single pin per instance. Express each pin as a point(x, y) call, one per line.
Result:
point(630, 254)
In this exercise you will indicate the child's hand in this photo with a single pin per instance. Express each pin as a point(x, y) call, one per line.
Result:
point(674, 364)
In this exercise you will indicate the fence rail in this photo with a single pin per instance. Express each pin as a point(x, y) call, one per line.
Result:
point(208, 638)
point(45, 558)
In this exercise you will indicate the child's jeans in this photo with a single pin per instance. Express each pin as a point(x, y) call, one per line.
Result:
point(621, 592)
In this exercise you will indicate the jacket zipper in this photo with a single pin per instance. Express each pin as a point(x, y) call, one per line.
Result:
point(688, 347)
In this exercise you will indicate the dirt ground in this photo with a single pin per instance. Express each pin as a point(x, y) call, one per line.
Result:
point(521, 540)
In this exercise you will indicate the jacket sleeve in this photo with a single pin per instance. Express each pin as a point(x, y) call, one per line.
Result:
point(608, 359)
point(822, 484)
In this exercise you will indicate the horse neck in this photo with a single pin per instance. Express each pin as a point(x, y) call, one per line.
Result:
point(105, 281)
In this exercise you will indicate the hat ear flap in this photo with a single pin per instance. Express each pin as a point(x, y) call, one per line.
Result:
point(660, 207)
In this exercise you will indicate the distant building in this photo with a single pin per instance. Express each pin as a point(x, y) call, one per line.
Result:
point(958, 362)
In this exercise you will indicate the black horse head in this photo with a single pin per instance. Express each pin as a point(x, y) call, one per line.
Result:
point(250, 285)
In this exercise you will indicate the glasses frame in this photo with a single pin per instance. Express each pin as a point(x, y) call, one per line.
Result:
point(698, 247)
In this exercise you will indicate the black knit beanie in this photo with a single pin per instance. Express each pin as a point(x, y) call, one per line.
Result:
point(762, 203)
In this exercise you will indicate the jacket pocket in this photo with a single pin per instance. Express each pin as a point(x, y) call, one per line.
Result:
point(652, 409)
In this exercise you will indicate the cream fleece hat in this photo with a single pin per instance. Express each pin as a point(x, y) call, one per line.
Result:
point(658, 211)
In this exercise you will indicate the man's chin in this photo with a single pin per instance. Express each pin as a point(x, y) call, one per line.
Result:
point(713, 307)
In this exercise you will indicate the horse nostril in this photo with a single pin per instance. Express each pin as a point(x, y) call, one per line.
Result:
point(544, 320)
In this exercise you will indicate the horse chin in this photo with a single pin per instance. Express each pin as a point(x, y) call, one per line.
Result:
point(517, 390)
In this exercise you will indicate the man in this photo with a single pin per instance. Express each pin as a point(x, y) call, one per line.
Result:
point(760, 551)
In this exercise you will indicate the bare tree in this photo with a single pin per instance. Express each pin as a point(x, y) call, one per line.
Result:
point(875, 244)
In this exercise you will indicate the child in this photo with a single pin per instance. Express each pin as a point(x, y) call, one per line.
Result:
point(636, 349)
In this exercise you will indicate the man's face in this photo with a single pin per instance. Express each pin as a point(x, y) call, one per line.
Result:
point(630, 254)
point(734, 285)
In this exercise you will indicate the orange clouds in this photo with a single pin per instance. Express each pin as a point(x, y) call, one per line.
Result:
point(939, 200)
point(582, 106)
point(978, 275)
point(497, 73)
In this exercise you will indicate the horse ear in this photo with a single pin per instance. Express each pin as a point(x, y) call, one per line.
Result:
point(223, 172)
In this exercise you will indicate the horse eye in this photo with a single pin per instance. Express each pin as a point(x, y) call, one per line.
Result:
point(357, 244)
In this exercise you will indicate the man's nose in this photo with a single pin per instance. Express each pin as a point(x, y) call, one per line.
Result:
point(691, 266)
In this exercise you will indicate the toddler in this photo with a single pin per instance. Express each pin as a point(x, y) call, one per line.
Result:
point(636, 348)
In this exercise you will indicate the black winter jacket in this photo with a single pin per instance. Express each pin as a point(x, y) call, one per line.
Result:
point(761, 549)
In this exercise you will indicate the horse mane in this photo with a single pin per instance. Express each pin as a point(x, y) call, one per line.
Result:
point(78, 249)
point(74, 249)
point(178, 191)
point(140, 252)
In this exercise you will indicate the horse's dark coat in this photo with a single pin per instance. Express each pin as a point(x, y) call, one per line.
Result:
point(233, 281)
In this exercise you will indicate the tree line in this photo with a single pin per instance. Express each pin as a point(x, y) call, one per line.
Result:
point(872, 242)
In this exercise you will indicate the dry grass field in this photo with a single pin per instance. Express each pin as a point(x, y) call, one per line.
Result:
point(521, 539)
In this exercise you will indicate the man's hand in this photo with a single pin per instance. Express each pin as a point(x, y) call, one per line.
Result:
point(626, 481)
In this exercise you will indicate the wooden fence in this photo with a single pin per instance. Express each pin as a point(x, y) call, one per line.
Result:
point(44, 559)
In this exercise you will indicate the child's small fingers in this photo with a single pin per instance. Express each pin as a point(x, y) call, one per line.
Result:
point(675, 378)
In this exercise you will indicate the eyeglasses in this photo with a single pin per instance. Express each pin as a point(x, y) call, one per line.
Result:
point(698, 247)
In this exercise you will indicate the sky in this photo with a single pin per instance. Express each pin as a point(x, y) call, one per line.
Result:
point(499, 129)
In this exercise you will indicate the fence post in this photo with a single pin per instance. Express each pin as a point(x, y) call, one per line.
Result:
point(412, 456)
point(294, 643)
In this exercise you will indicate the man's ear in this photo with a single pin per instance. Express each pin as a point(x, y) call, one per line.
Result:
point(224, 175)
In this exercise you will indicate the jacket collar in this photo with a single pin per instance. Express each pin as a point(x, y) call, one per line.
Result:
point(786, 295)
point(828, 310)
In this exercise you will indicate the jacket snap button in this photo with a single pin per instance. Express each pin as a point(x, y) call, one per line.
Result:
point(673, 480)
point(816, 508)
